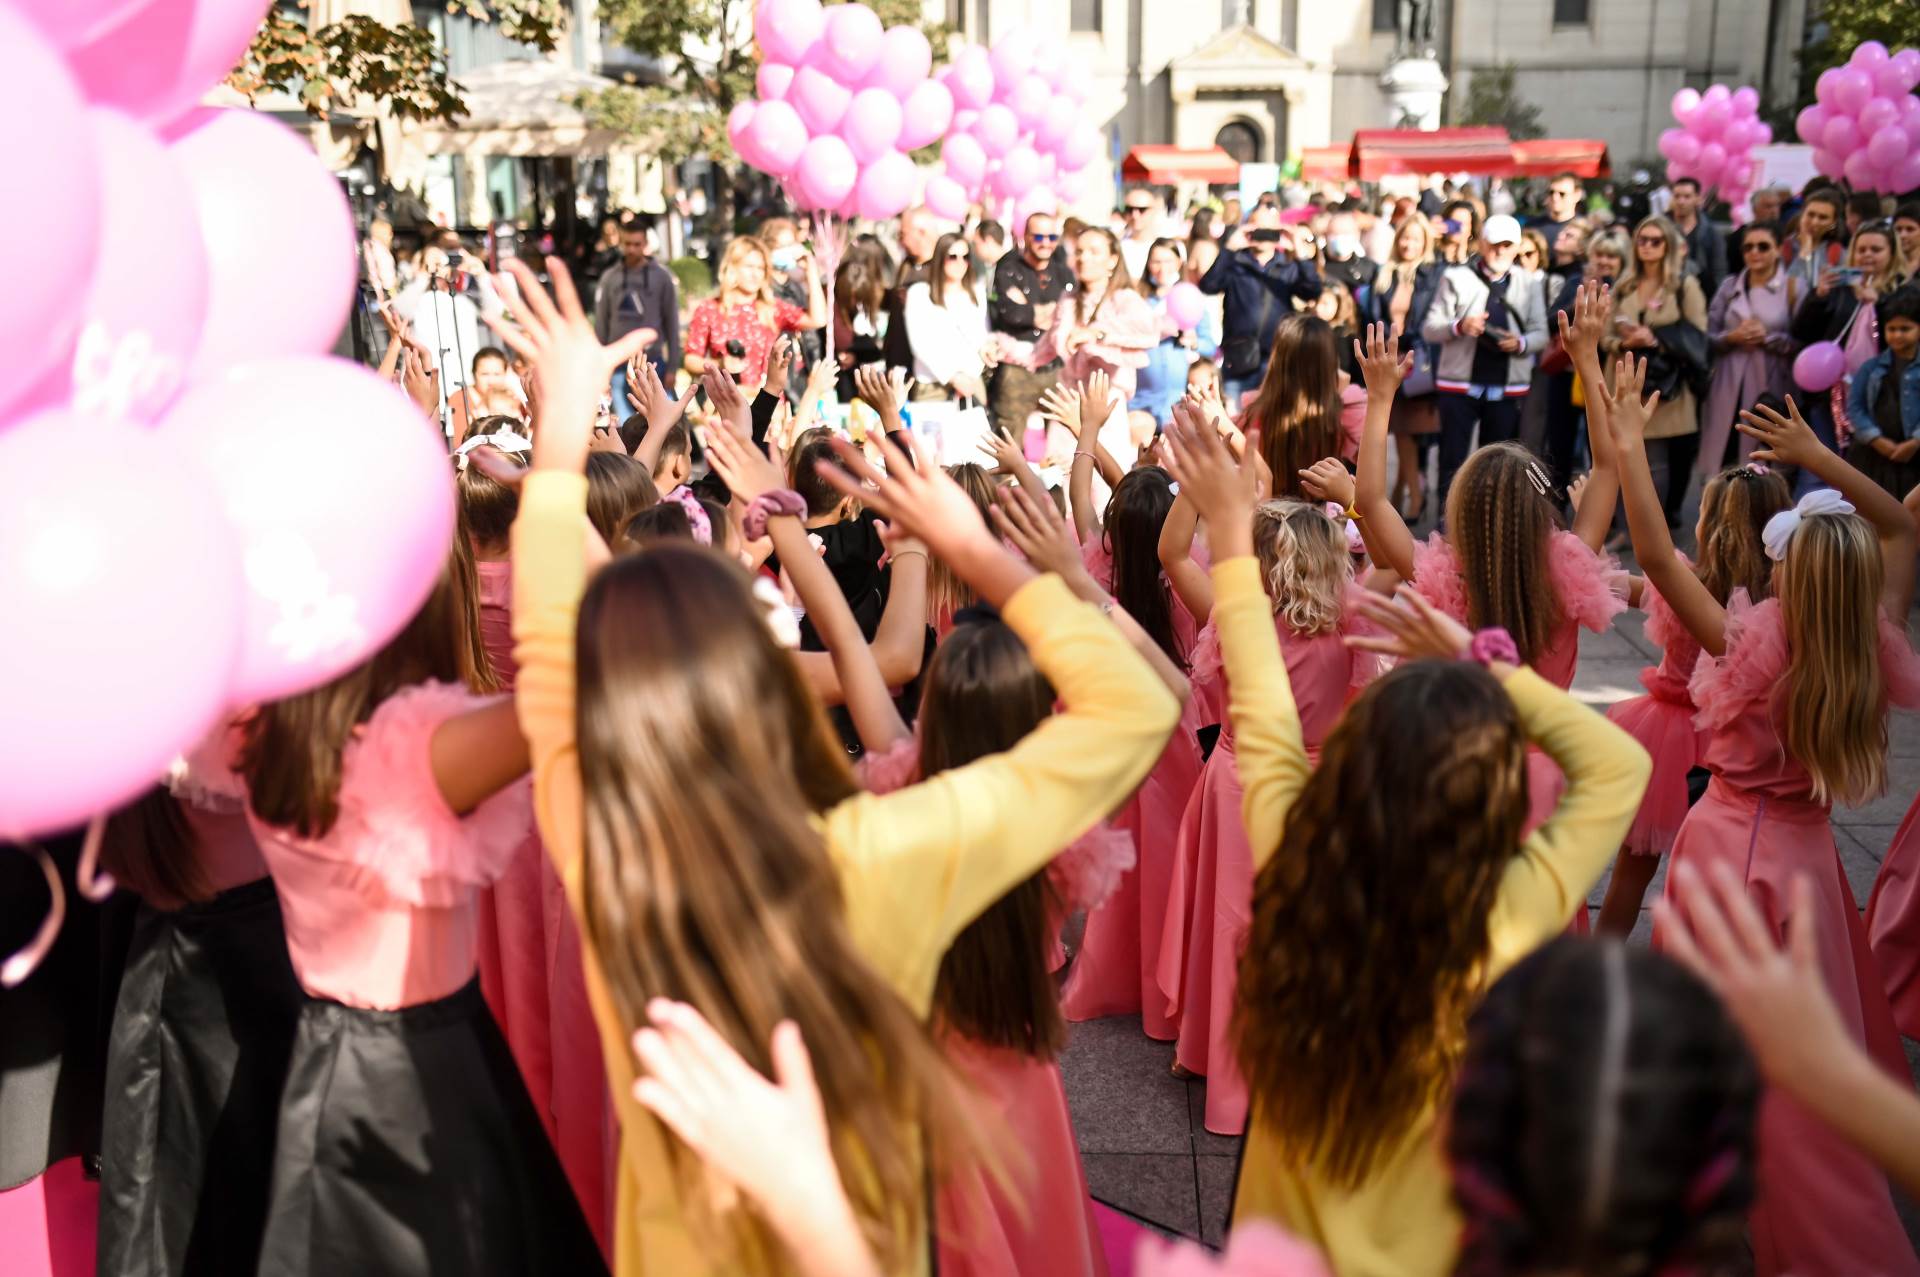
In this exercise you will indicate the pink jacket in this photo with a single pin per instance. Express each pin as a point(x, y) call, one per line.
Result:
point(1129, 329)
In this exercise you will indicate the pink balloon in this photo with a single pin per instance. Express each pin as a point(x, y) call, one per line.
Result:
point(971, 78)
point(1764, 136)
point(1890, 79)
point(1811, 124)
point(55, 224)
point(1711, 120)
point(1712, 160)
point(963, 122)
point(1679, 146)
point(739, 120)
point(1039, 201)
point(1056, 123)
point(1877, 114)
point(1030, 100)
point(1685, 103)
point(1910, 119)
point(1888, 147)
point(1012, 58)
point(278, 235)
point(886, 186)
point(1071, 186)
point(69, 23)
point(965, 158)
point(905, 58)
point(946, 197)
point(1819, 366)
point(1746, 102)
point(872, 125)
point(1739, 177)
point(143, 311)
point(1717, 93)
point(162, 59)
point(1827, 163)
point(331, 570)
point(926, 115)
point(1081, 146)
point(124, 630)
point(772, 80)
point(1049, 64)
point(1186, 305)
point(1907, 62)
point(1021, 170)
point(1861, 172)
point(997, 130)
point(1825, 86)
point(778, 135)
point(821, 100)
point(1841, 137)
point(1869, 54)
point(1852, 89)
point(786, 30)
point(826, 172)
point(1906, 176)
point(851, 43)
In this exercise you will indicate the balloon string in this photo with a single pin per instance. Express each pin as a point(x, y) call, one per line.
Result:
point(827, 246)
point(20, 965)
point(94, 885)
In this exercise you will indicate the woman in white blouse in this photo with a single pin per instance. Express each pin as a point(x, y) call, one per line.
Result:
point(947, 326)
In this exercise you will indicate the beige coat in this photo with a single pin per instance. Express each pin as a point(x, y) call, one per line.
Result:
point(1679, 416)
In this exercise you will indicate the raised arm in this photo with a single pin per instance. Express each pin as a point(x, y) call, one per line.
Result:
point(1188, 579)
point(651, 400)
point(1581, 337)
point(1790, 441)
point(1062, 405)
point(1388, 539)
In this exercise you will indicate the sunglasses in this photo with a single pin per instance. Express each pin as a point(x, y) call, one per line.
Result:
point(1044, 239)
point(1138, 208)
point(1758, 246)
point(1651, 241)
point(959, 256)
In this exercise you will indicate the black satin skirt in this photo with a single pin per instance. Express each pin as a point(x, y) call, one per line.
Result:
point(408, 1146)
point(196, 1062)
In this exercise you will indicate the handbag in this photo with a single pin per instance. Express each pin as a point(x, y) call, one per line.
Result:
point(1680, 363)
point(1420, 377)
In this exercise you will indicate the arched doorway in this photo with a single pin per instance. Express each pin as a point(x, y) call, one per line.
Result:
point(1240, 139)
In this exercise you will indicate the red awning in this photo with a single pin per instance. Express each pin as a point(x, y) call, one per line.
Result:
point(1543, 157)
point(1165, 165)
point(1377, 153)
point(1326, 163)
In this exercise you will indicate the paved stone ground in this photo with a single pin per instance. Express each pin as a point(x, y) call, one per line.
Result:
point(1140, 1130)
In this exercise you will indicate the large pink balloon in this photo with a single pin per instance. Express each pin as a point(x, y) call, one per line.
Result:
point(886, 186)
point(1030, 100)
point(1888, 147)
point(1679, 146)
point(1890, 79)
point(772, 80)
point(971, 78)
point(1841, 136)
point(70, 23)
point(785, 30)
point(1907, 62)
point(162, 60)
point(1910, 119)
point(826, 172)
point(1020, 170)
point(926, 115)
point(1819, 366)
point(820, 98)
point(278, 236)
point(1869, 54)
point(905, 58)
point(1824, 87)
point(851, 43)
point(1012, 58)
point(1861, 172)
point(332, 570)
point(1711, 120)
point(1811, 124)
point(1186, 305)
point(122, 618)
point(143, 309)
point(1048, 64)
point(1827, 163)
point(965, 158)
point(1685, 103)
point(1746, 102)
point(997, 130)
point(739, 120)
point(53, 215)
point(1877, 114)
point(778, 136)
point(1056, 123)
point(946, 197)
point(1039, 201)
point(872, 125)
point(1080, 147)
point(1712, 159)
point(1906, 176)
point(1852, 88)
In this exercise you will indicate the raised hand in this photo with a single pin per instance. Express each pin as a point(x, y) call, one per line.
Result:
point(1626, 410)
point(1038, 531)
point(779, 366)
point(1005, 454)
point(1592, 307)
point(724, 393)
point(1327, 480)
point(1222, 491)
point(916, 496)
point(420, 379)
point(749, 472)
point(820, 379)
point(1576, 492)
point(1411, 628)
point(883, 393)
point(650, 398)
point(1382, 366)
point(1096, 403)
point(1061, 405)
point(1788, 440)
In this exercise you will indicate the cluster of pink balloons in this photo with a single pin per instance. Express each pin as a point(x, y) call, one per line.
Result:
point(169, 548)
point(1865, 125)
point(840, 103)
point(1020, 136)
point(1714, 143)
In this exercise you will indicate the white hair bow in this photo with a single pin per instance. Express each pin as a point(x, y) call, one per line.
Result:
point(1781, 527)
point(780, 618)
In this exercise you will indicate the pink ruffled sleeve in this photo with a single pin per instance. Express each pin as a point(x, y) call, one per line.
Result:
point(395, 825)
point(1203, 662)
point(892, 768)
point(1086, 873)
point(1591, 588)
point(1723, 687)
point(1436, 574)
point(1093, 553)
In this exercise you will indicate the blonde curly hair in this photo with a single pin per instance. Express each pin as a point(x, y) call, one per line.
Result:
point(1304, 563)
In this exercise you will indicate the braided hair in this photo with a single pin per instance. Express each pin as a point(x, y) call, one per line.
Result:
point(1603, 1121)
point(1500, 519)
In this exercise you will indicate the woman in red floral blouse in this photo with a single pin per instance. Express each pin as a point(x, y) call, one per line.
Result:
point(746, 311)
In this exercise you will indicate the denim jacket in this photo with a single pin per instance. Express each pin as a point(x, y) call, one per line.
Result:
point(1866, 389)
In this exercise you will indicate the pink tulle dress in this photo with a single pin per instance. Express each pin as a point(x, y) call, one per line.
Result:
point(1662, 721)
point(530, 973)
point(1115, 972)
point(1592, 591)
point(1210, 900)
point(1893, 923)
point(1039, 1218)
point(1821, 1207)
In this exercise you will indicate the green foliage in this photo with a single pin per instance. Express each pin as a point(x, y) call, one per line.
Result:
point(400, 65)
point(692, 275)
point(1844, 25)
point(1492, 99)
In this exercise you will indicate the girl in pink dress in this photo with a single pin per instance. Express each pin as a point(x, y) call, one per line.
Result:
point(1734, 507)
point(1893, 912)
point(383, 802)
point(1307, 571)
point(1795, 692)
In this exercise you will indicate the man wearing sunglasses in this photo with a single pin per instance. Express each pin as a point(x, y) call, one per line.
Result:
point(1026, 293)
point(1142, 213)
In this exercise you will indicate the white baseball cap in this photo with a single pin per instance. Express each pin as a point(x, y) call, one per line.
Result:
point(1501, 229)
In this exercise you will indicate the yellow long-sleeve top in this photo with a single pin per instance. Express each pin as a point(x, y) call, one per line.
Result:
point(916, 866)
point(1400, 1222)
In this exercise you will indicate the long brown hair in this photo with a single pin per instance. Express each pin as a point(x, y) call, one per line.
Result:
point(1397, 844)
point(292, 753)
point(149, 849)
point(937, 276)
point(1831, 706)
point(1135, 514)
point(704, 757)
point(618, 487)
point(1734, 509)
point(946, 592)
point(983, 695)
point(1119, 279)
point(1297, 409)
point(1500, 522)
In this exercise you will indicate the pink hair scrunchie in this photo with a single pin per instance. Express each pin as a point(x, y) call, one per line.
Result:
point(769, 505)
point(697, 519)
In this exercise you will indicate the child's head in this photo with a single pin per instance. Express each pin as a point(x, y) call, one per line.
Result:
point(1401, 837)
point(947, 593)
point(675, 465)
point(711, 884)
point(1335, 305)
point(487, 508)
point(490, 371)
point(674, 519)
point(1500, 517)
point(1900, 321)
point(1735, 506)
point(1304, 562)
point(1297, 407)
point(1603, 1121)
point(809, 450)
point(1203, 377)
point(618, 487)
point(1131, 533)
point(1832, 706)
point(982, 696)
